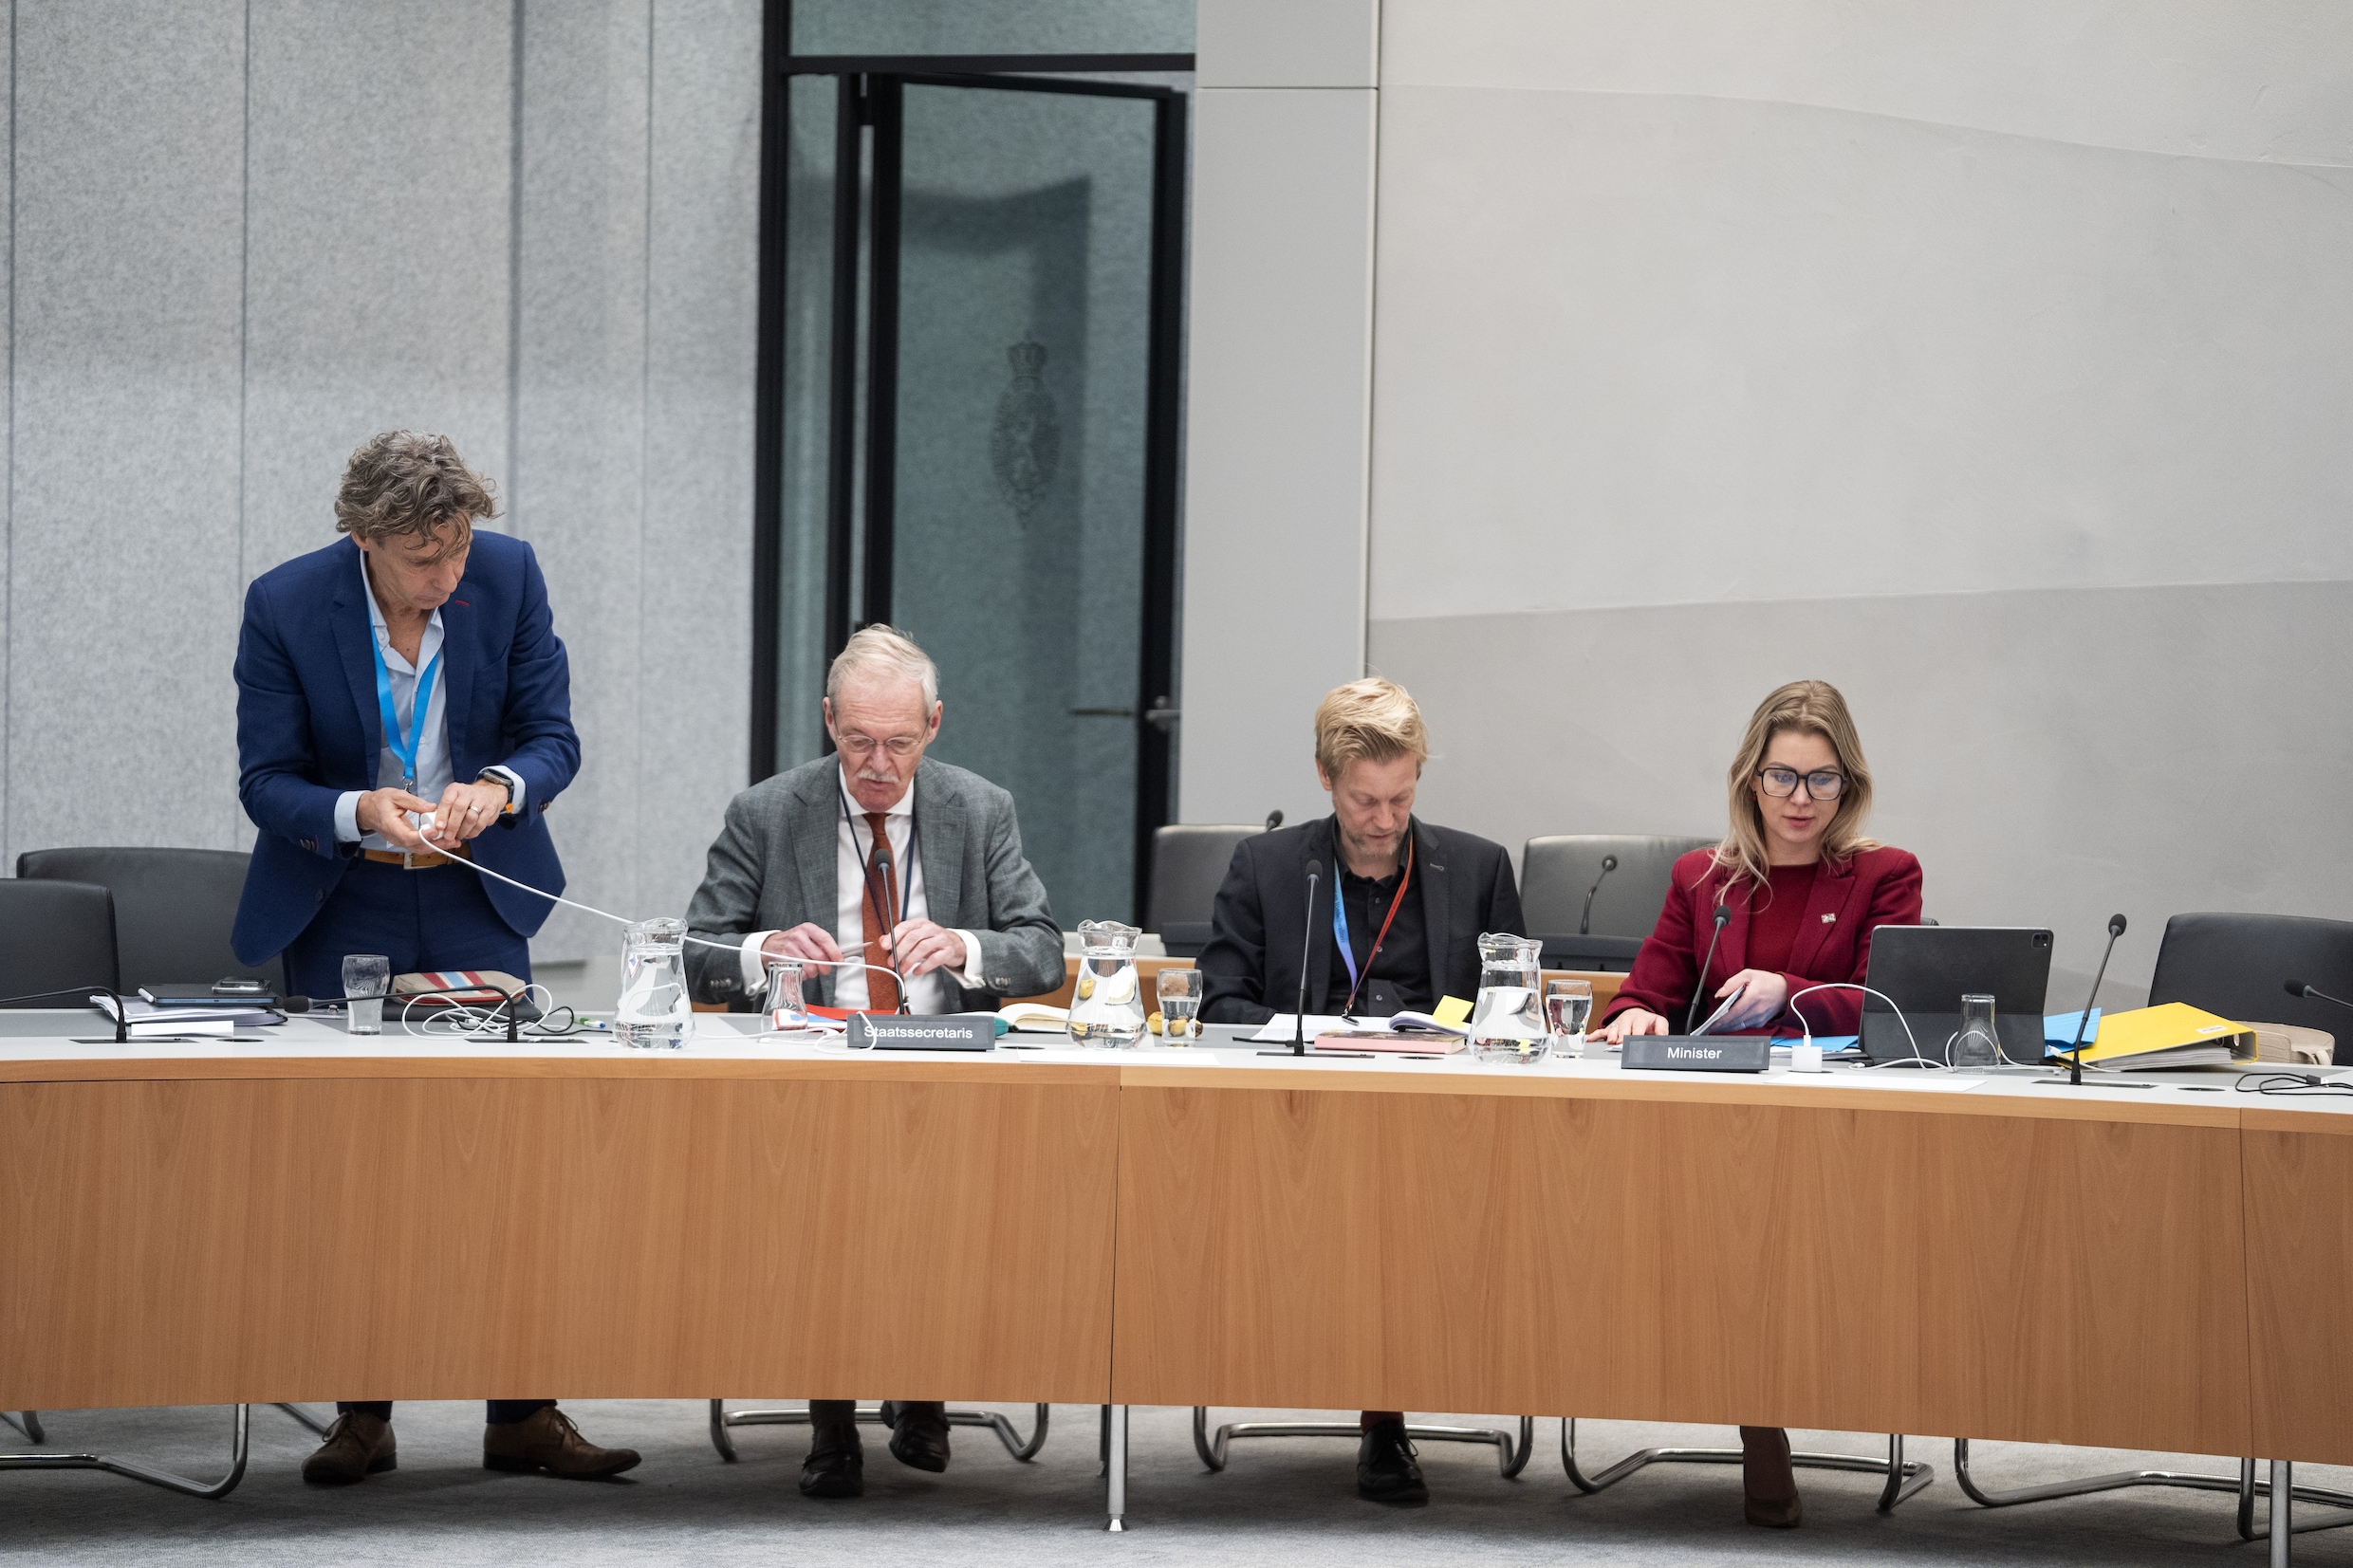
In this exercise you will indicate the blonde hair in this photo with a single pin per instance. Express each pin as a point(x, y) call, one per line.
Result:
point(1813, 708)
point(885, 651)
point(1368, 720)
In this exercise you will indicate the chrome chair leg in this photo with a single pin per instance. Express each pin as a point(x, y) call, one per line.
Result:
point(148, 1473)
point(2245, 1484)
point(885, 1414)
point(1510, 1457)
point(27, 1423)
point(306, 1418)
point(1904, 1477)
point(1114, 1468)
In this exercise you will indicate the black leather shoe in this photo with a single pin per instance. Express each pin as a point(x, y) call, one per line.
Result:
point(919, 1437)
point(836, 1465)
point(1386, 1468)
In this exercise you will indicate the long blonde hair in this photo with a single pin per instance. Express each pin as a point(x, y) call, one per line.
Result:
point(1812, 706)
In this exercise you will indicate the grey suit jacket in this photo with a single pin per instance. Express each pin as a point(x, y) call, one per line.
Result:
point(777, 864)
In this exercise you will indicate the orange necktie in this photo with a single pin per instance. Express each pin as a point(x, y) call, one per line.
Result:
point(882, 990)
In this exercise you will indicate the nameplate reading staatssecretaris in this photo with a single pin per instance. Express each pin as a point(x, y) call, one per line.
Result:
point(1697, 1053)
point(905, 1032)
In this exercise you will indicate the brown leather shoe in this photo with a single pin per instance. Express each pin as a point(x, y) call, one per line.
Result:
point(1768, 1481)
point(546, 1440)
point(357, 1446)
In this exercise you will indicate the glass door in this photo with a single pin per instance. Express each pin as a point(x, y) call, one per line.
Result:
point(1004, 281)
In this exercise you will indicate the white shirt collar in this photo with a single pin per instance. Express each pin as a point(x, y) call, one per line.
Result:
point(383, 635)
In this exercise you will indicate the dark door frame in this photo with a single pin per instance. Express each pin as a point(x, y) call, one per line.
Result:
point(870, 97)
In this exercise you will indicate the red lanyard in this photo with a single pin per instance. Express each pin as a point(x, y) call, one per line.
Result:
point(1339, 926)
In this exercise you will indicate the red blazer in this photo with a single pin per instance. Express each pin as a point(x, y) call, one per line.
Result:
point(1879, 887)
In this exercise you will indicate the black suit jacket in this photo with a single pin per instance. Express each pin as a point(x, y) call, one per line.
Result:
point(1251, 967)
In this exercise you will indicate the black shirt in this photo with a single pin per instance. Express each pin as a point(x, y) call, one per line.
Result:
point(1404, 959)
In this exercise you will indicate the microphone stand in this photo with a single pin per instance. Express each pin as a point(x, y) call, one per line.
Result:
point(1299, 1018)
point(2075, 1052)
point(889, 904)
point(1691, 1014)
point(122, 1016)
point(1585, 921)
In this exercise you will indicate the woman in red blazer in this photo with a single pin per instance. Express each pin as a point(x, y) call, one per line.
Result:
point(1800, 890)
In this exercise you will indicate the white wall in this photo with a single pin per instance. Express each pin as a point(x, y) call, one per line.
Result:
point(1990, 361)
point(1279, 395)
point(316, 222)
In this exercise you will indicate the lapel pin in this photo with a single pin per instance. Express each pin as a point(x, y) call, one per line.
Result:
point(1827, 918)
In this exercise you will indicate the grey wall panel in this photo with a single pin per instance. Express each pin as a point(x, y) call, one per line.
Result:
point(2052, 757)
point(1297, 43)
point(579, 471)
point(702, 316)
point(123, 571)
point(2197, 77)
point(7, 411)
point(1662, 349)
point(1276, 440)
point(378, 256)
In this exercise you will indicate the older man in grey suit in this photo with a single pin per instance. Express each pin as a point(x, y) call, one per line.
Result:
point(872, 865)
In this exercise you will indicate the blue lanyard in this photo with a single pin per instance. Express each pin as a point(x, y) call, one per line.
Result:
point(1340, 920)
point(406, 754)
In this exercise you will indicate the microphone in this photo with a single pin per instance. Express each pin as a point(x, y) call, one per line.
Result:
point(2297, 987)
point(1691, 1014)
point(1274, 820)
point(1299, 1018)
point(886, 916)
point(2075, 1052)
point(1585, 921)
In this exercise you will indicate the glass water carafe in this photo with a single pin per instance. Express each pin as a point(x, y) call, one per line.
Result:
point(653, 1014)
point(1508, 1023)
point(1978, 1045)
point(1107, 1005)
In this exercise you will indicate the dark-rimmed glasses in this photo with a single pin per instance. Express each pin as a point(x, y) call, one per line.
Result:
point(1820, 785)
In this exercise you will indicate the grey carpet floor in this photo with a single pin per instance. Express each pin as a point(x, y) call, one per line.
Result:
point(1287, 1502)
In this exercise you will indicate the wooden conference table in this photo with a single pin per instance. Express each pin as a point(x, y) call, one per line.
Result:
point(320, 1217)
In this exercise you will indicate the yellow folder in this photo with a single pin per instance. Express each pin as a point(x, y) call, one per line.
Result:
point(2174, 1032)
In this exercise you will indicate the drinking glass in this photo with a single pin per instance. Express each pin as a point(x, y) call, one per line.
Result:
point(786, 1010)
point(366, 977)
point(1978, 1046)
point(1567, 1004)
point(1181, 1007)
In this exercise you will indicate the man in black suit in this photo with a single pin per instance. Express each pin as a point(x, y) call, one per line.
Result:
point(1401, 934)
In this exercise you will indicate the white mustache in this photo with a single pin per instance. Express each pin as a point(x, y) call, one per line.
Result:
point(867, 775)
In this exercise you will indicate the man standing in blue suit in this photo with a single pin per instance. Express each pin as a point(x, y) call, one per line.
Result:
point(404, 704)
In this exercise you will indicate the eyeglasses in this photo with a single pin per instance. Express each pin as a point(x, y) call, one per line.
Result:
point(901, 747)
point(1821, 784)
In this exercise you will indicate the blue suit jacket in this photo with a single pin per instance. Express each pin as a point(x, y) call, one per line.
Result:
point(308, 726)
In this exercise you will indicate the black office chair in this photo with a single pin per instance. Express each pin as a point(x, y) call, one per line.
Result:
point(174, 909)
point(1189, 862)
point(55, 934)
point(1560, 873)
point(2238, 966)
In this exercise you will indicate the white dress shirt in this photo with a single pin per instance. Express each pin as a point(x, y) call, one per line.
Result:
point(935, 992)
point(433, 746)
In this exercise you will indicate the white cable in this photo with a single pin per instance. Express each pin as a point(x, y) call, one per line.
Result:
point(736, 948)
point(1843, 985)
